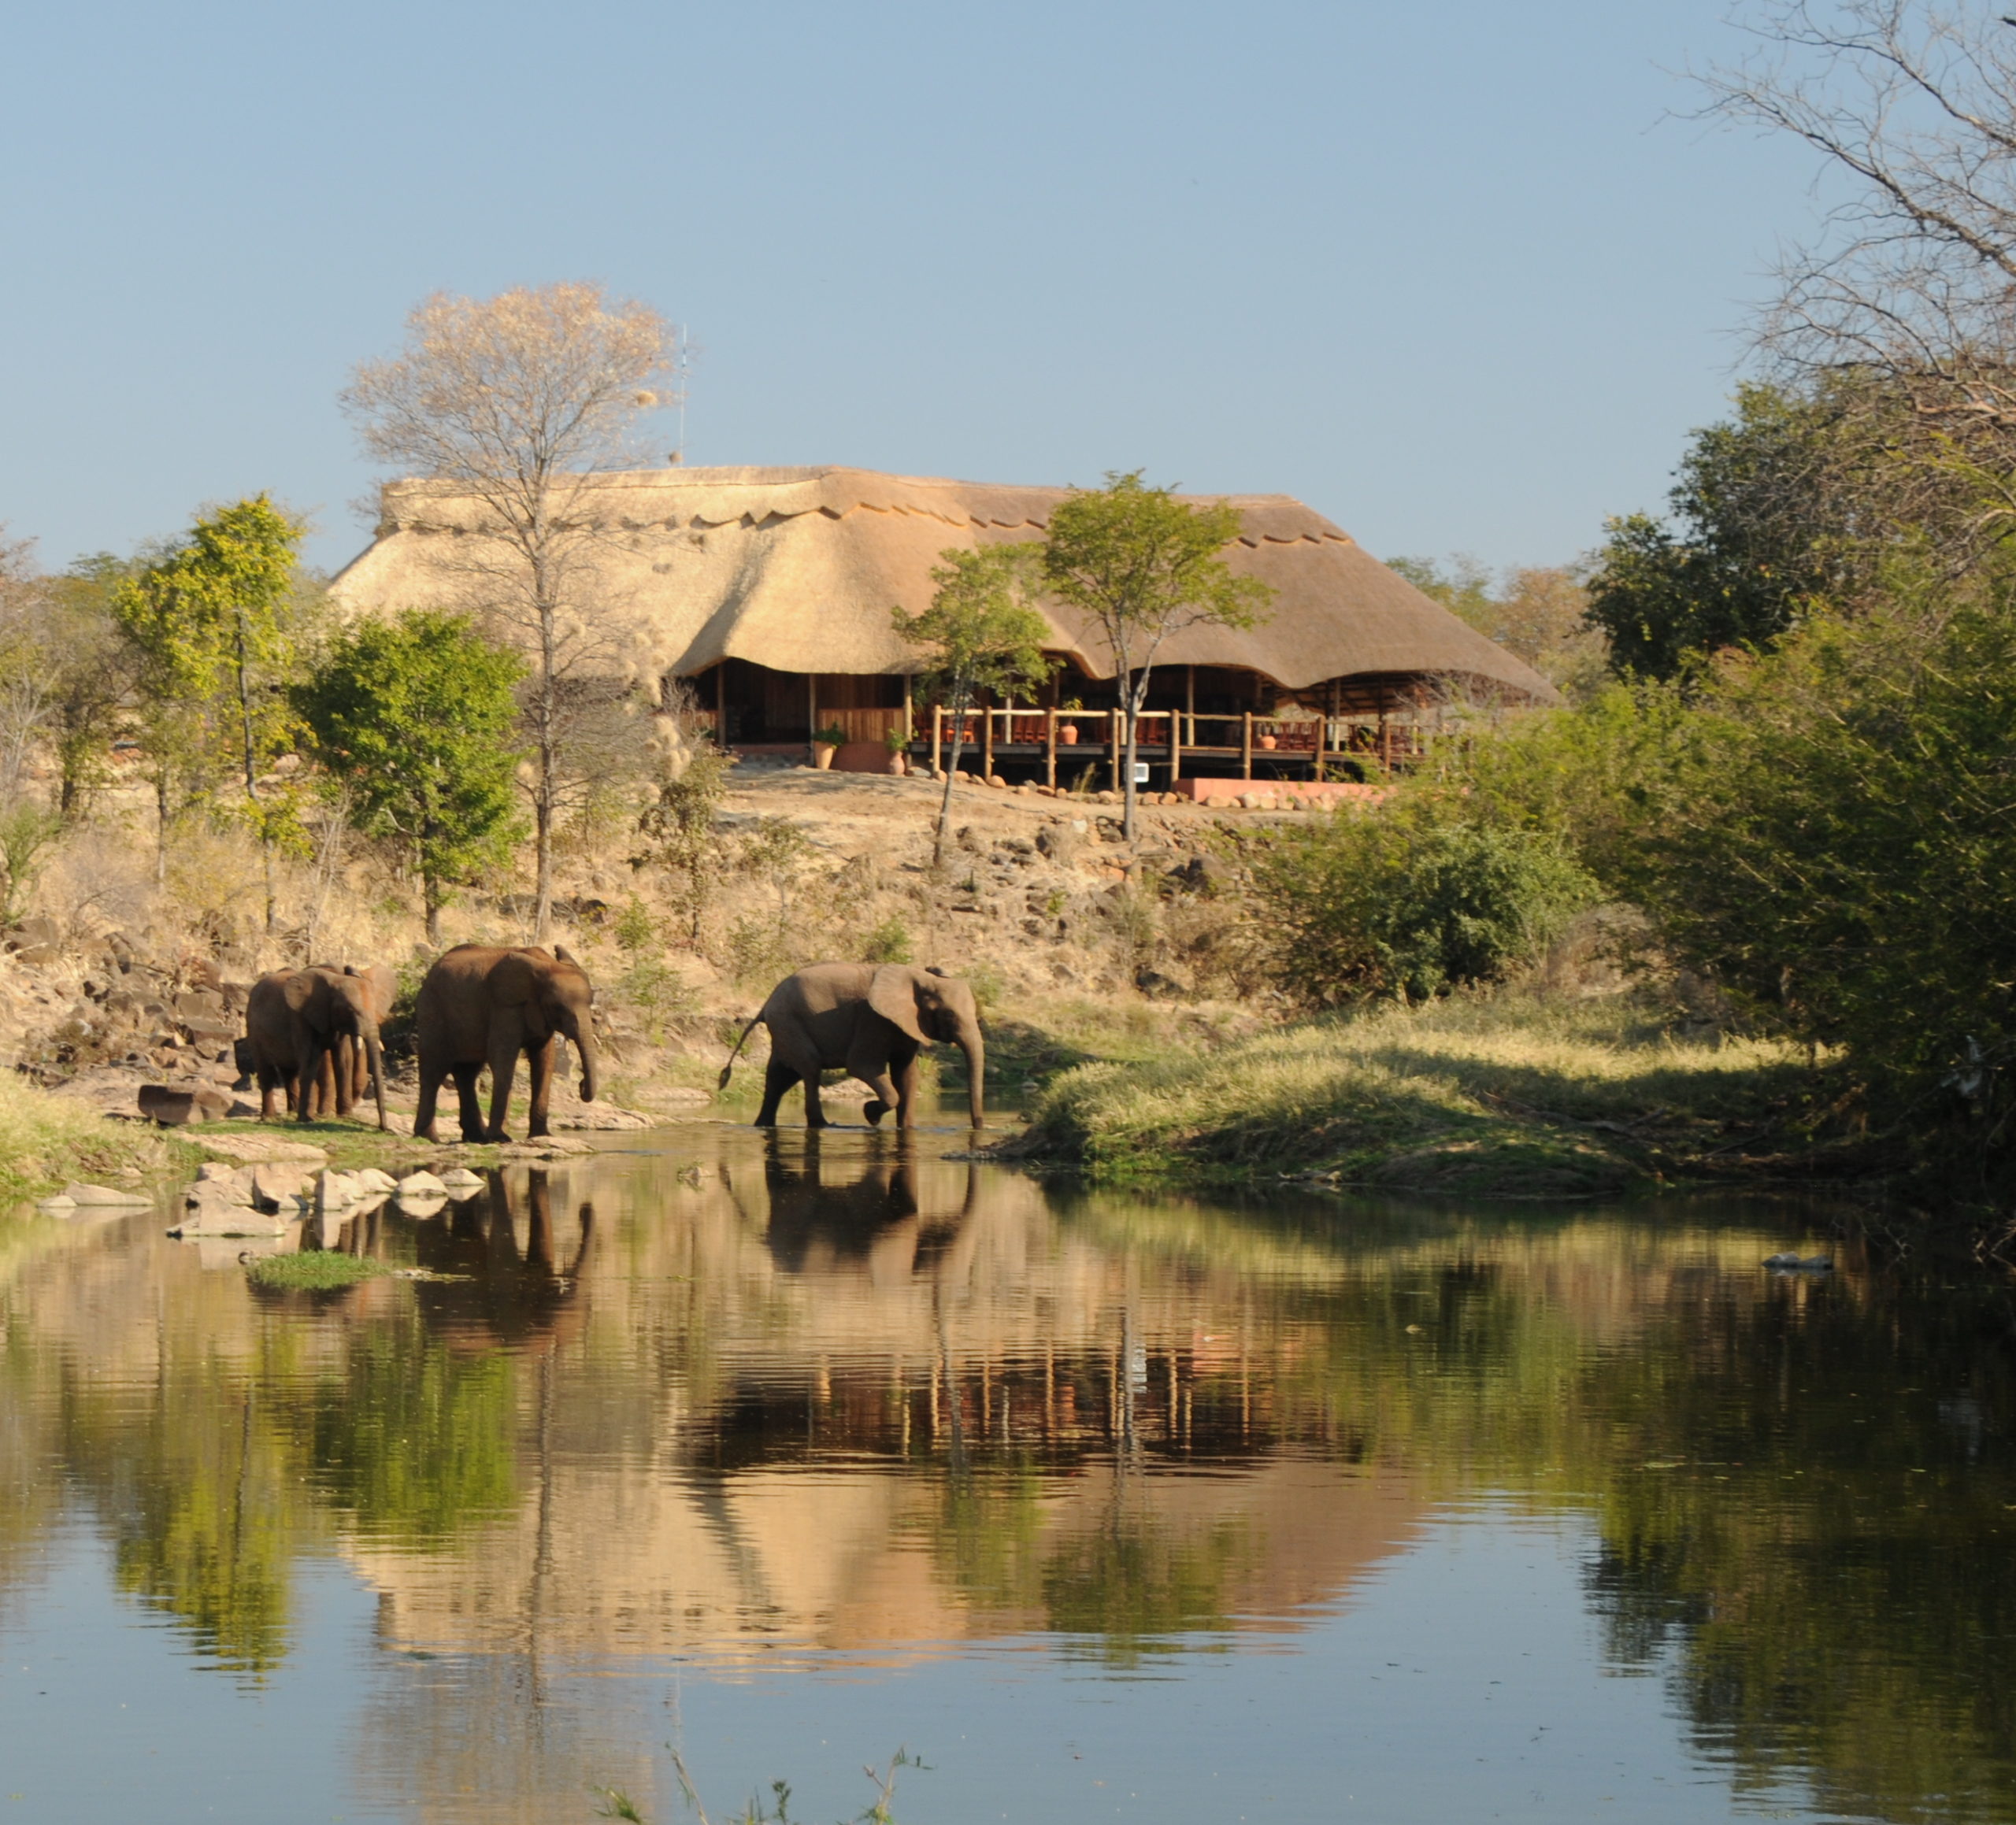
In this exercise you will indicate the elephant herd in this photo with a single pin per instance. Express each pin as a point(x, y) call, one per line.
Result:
point(314, 1035)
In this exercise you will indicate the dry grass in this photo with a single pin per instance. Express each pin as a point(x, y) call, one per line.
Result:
point(1514, 1094)
point(47, 1141)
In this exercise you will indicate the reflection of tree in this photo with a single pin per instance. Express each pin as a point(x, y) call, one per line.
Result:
point(202, 1497)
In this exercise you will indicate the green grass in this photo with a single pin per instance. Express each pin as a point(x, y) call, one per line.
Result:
point(1510, 1096)
point(48, 1140)
point(318, 1271)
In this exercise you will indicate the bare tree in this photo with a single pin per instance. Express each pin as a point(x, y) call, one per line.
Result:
point(519, 400)
point(1911, 105)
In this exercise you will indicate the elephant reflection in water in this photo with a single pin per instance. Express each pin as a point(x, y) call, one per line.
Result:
point(875, 1219)
point(498, 1292)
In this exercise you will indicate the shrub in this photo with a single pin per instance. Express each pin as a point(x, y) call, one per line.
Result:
point(1409, 901)
point(889, 942)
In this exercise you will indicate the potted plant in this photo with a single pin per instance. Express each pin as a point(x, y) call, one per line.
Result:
point(1270, 741)
point(1067, 733)
point(826, 743)
point(898, 741)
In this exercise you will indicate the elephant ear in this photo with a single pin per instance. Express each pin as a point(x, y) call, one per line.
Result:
point(892, 993)
point(511, 981)
point(300, 990)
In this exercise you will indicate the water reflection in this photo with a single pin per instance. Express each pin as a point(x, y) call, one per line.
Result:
point(792, 1399)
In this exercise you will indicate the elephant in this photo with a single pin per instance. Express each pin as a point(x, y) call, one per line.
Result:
point(293, 1021)
point(351, 1077)
point(871, 1019)
point(483, 1005)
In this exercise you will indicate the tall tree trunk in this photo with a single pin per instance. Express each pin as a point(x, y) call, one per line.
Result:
point(544, 792)
point(945, 799)
point(1133, 693)
point(252, 773)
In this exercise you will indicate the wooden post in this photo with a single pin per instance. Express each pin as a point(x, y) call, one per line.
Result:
point(1385, 738)
point(1113, 747)
point(1246, 744)
point(720, 706)
point(811, 710)
point(1050, 754)
point(938, 737)
point(910, 727)
point(987, 744)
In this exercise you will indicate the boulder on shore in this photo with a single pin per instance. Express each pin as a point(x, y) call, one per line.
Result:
point(176, 1105)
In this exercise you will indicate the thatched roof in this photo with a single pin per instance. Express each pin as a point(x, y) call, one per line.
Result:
point(798, 568)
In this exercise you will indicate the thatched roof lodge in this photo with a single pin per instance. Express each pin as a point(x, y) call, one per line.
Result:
point(771, 590)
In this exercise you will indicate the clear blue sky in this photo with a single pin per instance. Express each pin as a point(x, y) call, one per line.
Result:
point(1440, 270)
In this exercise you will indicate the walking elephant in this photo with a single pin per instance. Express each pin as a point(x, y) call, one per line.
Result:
point(294, 1020)
point(871, 1021)
point(484, 1004)
point(351, 1076)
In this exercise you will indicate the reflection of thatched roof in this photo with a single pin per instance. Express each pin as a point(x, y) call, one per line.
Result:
point(798, 568)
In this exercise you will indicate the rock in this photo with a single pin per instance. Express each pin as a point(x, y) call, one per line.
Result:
point(601, 1118)
point(375, 1183)
point(57, 1202)
point(251, 1148)
point(336, 1190)
point(421, 1184)
point(221, 1188)
point(174, 1105)
point(460, 1179)
point(213, 1169)
point(212, 1211)
point(103, 1194)
point(277, 1186)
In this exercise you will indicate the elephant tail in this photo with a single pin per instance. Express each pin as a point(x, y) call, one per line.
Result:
point(737, 1053)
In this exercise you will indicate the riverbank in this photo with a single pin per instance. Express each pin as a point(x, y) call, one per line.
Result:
point(47, 1142)
point(1518, 1095)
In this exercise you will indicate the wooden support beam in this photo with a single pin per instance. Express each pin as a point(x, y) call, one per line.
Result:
point(987, 744)
point(1050, 750)
point(721, 705)
point(938, 737)
point(1246, 745)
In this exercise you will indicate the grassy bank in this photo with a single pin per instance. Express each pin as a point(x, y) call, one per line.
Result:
point(47, 1142)
point(1511, 1096)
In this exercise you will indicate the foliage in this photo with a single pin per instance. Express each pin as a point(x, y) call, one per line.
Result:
point(889, 942)
point(520, 399)
point(984, 638)
point(1805, 501)
point(1143, 565)
point(26, 833)
point(415, 716)
point(678, 832)
point(832, 735)
point(1540, 614)
point(1409, 901)
point(1829, 839)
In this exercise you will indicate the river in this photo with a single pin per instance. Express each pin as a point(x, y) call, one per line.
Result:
point(777, 1453)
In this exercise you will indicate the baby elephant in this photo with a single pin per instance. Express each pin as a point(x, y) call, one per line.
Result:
point(870, 1019)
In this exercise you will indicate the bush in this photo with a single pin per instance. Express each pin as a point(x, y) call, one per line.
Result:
point(1409, 901)
point(889, 942)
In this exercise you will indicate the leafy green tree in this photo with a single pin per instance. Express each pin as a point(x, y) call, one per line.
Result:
point(983, 636)
point(214, 621)
point(1765, 524)
point(1142, 565)
point(1538, 613)
point(415, 715)
point(92, 674)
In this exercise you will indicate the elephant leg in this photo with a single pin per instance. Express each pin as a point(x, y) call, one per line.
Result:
point(883, 1100)
point(341, 1077)
point(905, 1072)
point(777, 1079)
point(540, 1068)
point(503, 1070)
point(270, 1081)
point(471, 1110)
point(430, 1094)
point(308, 1069)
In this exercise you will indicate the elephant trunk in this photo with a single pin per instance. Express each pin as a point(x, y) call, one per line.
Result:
point(581, 1032)
point(975, 1049)
point(374, 1056)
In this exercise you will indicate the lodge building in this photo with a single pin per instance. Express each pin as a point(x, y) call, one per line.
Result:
point(770, 591)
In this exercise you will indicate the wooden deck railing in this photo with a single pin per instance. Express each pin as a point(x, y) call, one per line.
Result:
point(1163, 738)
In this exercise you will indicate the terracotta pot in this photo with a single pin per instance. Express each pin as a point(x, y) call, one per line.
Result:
point(899, 765)
point(1067, 734)
point(1269, 742)
point(823, 753)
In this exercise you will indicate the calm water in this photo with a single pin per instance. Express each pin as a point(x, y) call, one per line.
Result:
point(783, 1453)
